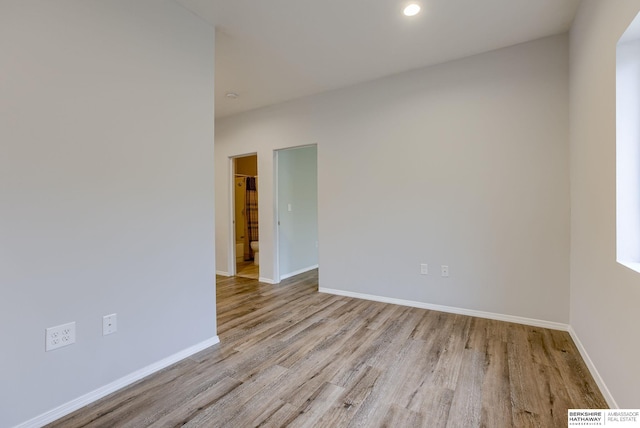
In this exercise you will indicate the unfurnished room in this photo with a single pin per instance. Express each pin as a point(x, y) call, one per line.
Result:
point(239, 213)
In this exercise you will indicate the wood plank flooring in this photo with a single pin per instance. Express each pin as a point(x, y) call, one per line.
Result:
point(290, 356)
point(247, 270)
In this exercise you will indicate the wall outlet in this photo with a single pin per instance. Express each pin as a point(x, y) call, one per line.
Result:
point(109, 324)
point(444, 270)
point(59, 336)
point(424, 269)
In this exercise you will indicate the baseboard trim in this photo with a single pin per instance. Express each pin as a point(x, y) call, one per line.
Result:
point(222, 273)
point(73, 405)
point(450, 309)
point(267, 280)
point(298, 272)
point(593, 370)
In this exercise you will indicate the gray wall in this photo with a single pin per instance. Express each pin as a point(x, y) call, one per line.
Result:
point(463, 164)
point(604, 294)
point(106, 192)
point(298, 189)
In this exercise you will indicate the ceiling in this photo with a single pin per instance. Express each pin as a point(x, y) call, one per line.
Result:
point(270, 51)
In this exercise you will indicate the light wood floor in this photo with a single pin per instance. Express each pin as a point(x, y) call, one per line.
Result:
point(290, 356)
point(247, 270)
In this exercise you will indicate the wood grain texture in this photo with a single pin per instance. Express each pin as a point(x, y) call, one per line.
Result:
point(247, 270)
point(290, 356)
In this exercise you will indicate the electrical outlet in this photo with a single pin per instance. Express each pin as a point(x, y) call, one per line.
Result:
point(424, 269)
point(59, 336)
point(444, 270)
point(109, 324)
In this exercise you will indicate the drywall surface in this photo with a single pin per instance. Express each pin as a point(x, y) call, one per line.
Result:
point(604, 294)
point(297, 209)
point(106, 192)
point(462, 164)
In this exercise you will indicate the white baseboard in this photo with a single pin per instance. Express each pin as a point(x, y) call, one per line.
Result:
point(103, 391)
point(298, 272)
point(450, 309)
point(222, 273)
point(592, 368)
point(267, 280)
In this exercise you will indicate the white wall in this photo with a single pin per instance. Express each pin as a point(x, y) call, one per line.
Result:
point(106, 192)
point(464, 164)
point(298, 210)
point(604, 294)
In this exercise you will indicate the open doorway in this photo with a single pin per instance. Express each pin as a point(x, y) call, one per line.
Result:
point(297, 210)
point(245, 216)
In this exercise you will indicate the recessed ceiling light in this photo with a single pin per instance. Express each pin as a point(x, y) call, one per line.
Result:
point(231, 95)
point(411, 10)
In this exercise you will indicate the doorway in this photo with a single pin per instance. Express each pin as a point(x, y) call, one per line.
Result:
point(297, 210)
point(245, 216)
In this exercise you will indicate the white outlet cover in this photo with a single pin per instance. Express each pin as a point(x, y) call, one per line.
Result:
point(444, 270)
point(424, 269)
point(60, 336)
point(109, 324)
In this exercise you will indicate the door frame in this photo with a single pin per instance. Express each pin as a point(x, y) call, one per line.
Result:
point(231, 250)
point(276, 205)
point(276, 219)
